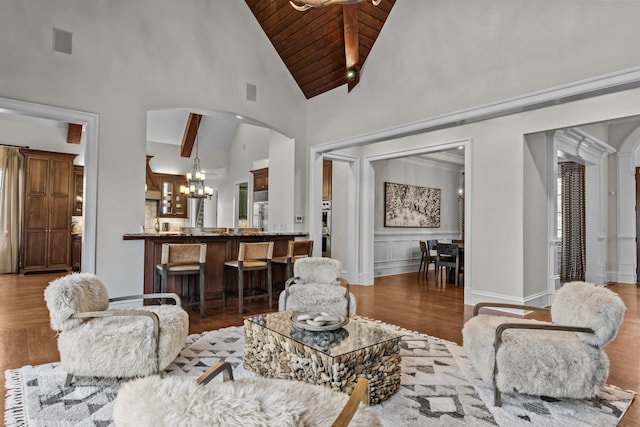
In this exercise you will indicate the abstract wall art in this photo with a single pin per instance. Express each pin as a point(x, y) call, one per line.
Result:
point(411, 206)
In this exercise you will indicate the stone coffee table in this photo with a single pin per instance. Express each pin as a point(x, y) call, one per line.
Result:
point(337, 359)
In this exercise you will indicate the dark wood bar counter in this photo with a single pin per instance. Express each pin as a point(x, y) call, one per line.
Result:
point(221, 247)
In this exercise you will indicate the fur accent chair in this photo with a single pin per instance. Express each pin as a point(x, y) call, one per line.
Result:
point(94, 341)
point(563, 358)
point(316, 286)
point(182, 401)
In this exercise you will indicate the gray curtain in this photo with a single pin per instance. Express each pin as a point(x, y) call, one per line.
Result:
point(573, 261)
point(10, 208)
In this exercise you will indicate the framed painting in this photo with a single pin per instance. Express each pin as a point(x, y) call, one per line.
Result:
point(411, 206)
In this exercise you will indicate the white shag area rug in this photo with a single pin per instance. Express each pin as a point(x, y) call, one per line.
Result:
point(439, 388)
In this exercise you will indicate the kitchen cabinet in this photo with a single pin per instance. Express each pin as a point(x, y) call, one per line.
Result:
point(260, 179)
point(173, 204)
point(48, 190)
point(76, 252)
point(78, 182)
point(327, 171)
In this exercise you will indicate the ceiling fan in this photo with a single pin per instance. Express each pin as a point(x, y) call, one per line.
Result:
point(308, 4)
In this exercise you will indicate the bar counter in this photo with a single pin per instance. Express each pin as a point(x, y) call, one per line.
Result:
point(221, 247)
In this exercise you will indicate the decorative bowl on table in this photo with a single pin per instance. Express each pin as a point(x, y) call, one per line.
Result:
point(318, 321)
point(320, 340)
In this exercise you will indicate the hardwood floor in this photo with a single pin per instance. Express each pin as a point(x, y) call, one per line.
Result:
point(27, 339)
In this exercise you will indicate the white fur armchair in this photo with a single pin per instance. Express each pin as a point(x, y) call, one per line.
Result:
point(563, 358)
point(94, 341)
point(184, 401)
point(316, 286)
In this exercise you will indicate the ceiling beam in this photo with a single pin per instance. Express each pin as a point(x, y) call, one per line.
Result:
point(351, 42)
point(190, 134)
point(74, 133)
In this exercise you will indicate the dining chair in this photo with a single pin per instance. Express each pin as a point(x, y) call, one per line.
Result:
point(180, 259)
point(252, 257)
point(295, 249)
point(424, 253)
point(426, 258)
point(448, 256)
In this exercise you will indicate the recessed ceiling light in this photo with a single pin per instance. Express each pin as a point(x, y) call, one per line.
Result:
point(239, 117)
point(460, 147)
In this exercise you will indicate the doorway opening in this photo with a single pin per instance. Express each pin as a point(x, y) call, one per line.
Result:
point(241, 205)
point(15, 110)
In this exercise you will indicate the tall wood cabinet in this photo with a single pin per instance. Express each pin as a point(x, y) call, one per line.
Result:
point(327, 177)
point(46, 233)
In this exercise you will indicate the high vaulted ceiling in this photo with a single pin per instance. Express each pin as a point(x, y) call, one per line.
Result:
point(312, 44)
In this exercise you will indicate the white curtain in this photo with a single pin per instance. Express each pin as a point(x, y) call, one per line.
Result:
point(10, 208)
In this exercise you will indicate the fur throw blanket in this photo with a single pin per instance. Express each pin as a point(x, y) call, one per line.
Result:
point(180, 401)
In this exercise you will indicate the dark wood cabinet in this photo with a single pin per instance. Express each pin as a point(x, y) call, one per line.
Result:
point(173, 204)
point(46, 236)
point(78, 190)
point(260, 179)
point(76, 252)
point(327, 172)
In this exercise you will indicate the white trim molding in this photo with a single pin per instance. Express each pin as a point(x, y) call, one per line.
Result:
point(626, 232)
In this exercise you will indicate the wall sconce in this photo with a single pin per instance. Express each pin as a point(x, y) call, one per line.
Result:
point(460, 193)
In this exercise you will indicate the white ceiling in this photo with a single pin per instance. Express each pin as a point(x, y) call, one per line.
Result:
point(217, 129)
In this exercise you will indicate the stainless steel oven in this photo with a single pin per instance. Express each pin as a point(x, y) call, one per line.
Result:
point(326, 228)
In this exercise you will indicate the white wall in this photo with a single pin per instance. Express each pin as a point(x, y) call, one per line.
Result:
point(438, 56)
point(396, 249)
point(536, 219)
point(340, 233)
point(281, 182)
point(131, 57)
point(40, 135)
point(496, 197)
point(430, 58)
point(250, 143)
point(423, 173)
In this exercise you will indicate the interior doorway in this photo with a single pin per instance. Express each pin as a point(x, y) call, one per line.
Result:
point(241, 205)
point(637, 225)
point(15, 110)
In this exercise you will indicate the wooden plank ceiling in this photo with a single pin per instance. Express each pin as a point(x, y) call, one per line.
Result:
point(312, 43)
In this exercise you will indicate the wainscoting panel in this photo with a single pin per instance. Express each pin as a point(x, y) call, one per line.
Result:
point(626, 259)
point(399, 252)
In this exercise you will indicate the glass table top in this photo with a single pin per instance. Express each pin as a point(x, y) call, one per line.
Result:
point(355, 335)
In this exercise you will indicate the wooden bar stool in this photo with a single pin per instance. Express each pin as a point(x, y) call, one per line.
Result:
point(296, 249)
point(179, 259)
point(251, 257)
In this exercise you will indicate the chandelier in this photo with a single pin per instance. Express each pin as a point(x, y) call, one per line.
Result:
point(195, 188)
point(308, 4)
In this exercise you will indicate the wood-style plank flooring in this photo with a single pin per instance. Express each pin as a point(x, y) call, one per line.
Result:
point(404, 300)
